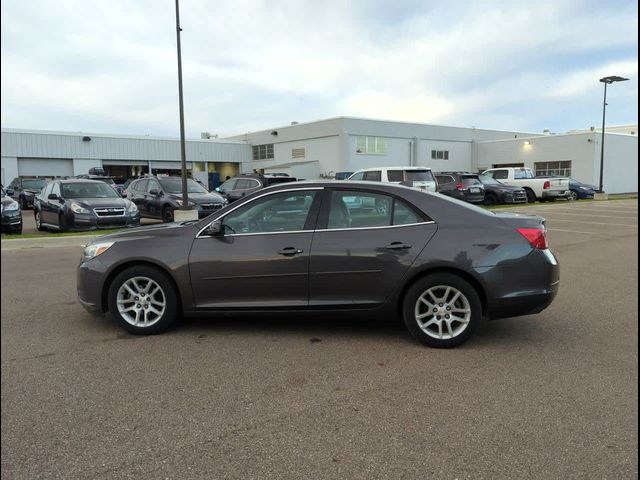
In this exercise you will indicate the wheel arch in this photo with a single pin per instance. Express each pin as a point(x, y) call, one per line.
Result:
point(104, 294)
point(468, 277)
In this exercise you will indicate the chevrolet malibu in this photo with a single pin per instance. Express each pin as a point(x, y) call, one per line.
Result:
point(440, 264)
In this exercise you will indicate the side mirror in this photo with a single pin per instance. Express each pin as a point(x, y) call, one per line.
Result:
point(153, 191)
point(215, 229)
point(53, 196)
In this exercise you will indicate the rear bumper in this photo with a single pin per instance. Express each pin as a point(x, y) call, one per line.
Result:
point(533, 287)
point(554, 193)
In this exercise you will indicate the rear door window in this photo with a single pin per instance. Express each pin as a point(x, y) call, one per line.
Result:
point(500, 174)
point(395, 175)
point(141, 185)
point(418, 175)
point(373, 176)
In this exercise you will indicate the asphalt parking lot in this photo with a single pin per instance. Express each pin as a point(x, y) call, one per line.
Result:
point(547, 396)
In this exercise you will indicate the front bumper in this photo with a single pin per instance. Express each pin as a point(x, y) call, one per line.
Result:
point(12, 221)
point(90, 221)
point(517, 197)
point(208, 209)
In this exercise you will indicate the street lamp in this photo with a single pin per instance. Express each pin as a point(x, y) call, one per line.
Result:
point(606, 81)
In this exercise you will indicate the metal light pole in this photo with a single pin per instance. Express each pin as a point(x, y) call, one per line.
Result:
point(183, 150)
point(606, 81)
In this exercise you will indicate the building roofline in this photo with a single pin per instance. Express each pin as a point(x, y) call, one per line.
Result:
point(115, 136)
point(557, 135)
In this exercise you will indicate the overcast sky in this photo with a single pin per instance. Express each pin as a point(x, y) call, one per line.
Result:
point(110, 65)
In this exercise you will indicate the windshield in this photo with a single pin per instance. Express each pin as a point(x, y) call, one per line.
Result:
point(174, 185)
point(34, 184)
point(489, 180)
point(88, 190)
point(419, 176)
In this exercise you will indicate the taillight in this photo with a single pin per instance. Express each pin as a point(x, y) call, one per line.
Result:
point(547, 185)
point(537, 237)
point(459, 186)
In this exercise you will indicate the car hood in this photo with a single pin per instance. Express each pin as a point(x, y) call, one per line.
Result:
point(101, 202)
point(6, 201)
point(148, 231)
point(201, 198)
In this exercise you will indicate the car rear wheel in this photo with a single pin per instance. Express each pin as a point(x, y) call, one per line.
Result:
point(23, 203)
point(38, 220)
point(167, 215)
point(143, 300)
point(442, 310)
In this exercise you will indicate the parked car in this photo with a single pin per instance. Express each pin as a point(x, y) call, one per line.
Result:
point(82, 204)
point(496, 192)
point(342, 175)
point(243, 185)
point(419, 178)
point(11, 213)
point(159, 197)
point(25, 189)
point(578, 190)
point(441, 263)
point(537, 188)
point(461, 185)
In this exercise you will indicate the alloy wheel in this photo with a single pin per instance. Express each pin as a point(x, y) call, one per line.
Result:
point(442, 312)
point(141, 301)
point(572, 196)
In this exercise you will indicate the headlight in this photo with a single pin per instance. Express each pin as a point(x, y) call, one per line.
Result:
point(131, 207)
point(179, 202)
point(95, 249)
point(12, 206)
point(77, 208)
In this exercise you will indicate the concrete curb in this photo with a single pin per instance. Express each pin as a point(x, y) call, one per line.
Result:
point(46, 242)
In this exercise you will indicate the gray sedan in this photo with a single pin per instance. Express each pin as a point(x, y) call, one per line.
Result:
point(439, 263)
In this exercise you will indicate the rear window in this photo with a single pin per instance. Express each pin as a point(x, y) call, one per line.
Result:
point(470, 180)
point(419, 176)
point(522, 173)
point(444, 179)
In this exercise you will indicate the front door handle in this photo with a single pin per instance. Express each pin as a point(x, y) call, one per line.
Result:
point(290, 251)
point(397, 246)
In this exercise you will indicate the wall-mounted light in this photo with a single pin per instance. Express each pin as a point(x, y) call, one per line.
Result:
point(274, 133)
point(527, 142)
point(86, 139)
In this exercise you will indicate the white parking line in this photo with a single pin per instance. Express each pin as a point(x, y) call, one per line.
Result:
point(596, 223)
point(630, 217)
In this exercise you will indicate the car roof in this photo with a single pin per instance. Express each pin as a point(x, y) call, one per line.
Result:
point(394, 167)
point(77, 180)
point(342, 184)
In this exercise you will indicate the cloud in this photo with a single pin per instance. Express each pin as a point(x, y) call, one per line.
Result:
point(249, 65)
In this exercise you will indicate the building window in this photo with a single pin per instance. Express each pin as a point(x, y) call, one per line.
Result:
point(561, 169)
point(263, 152)
point(371, 145)
point(298, 153)
point(439, 154)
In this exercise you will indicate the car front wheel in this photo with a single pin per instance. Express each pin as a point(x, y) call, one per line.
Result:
point(143, 300)
point(442, 310)
point(38, 219)
point(167, 215)
point(572, 196)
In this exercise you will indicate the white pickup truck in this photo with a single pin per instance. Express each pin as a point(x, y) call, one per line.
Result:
point(542, 189)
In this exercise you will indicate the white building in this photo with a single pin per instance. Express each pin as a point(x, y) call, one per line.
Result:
point(323, 148)
point(50, 154)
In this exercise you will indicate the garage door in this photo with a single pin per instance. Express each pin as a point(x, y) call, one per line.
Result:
point(45, 167)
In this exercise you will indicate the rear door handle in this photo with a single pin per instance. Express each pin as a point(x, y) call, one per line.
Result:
point(290, 251)
point(397, 246)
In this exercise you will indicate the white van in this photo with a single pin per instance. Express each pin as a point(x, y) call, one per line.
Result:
point(419, 178)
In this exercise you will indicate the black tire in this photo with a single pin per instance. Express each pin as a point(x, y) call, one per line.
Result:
point(170, 313)
point(531, 197)
point(490, 199)
point(167, 214)
point(420, 287)
point(62, 223)
point(38, 220)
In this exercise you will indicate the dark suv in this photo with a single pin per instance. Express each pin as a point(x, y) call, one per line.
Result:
point(25, 189)
point(461, 185)
point(158, 197)
point(238, 187)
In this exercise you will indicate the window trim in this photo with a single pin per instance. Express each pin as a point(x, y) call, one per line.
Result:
point(223, 214)
point(366, 150)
